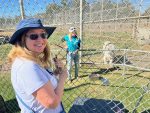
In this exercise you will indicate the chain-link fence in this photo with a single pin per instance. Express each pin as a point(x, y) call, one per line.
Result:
point(120, 87)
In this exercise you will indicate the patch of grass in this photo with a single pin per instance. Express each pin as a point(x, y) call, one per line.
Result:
point(7, 92)
point(127, 89)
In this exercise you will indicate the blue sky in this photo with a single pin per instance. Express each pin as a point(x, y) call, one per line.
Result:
point(10, 8)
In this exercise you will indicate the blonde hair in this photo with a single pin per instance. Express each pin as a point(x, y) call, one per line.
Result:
point(20, 50)
point(70, 34)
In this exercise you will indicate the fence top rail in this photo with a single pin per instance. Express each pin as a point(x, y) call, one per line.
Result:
point(116, 50)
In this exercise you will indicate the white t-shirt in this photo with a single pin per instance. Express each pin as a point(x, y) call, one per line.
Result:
point(26, 78)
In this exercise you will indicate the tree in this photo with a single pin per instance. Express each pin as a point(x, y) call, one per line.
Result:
point(127, 9)
point(64, 3)
point(76, 3)
point(146, 12)
point(52, 8)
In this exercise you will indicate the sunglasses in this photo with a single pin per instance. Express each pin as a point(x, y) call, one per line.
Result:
point(36, 36)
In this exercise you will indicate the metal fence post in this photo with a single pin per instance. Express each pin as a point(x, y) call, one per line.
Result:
point(124, 61)
point(22, 9)
point(81, 29)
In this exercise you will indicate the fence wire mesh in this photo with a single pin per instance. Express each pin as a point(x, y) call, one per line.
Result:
point(120, 87)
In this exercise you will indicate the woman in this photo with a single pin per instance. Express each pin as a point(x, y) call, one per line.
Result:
point(73, 46)
point(36, 87)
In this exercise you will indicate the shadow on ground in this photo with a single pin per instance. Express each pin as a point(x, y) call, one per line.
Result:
point(146, 111)
point(10, 106)
point(105, 71)
point(91, 105)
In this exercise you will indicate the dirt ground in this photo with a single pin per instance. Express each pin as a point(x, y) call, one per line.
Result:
point(146, 47)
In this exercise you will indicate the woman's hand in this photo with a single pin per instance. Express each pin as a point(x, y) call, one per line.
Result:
point(75, 52)
point(58, 65)
point(60, 68)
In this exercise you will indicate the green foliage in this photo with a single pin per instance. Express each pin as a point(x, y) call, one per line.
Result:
point(64, 3)
point(52, 8)
point(146, 12)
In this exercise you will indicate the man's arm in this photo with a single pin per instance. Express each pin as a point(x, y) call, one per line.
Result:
point(62, 39)
point(79, 42)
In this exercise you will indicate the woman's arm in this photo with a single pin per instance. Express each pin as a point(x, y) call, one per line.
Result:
point(49, 97)
point(46, 96)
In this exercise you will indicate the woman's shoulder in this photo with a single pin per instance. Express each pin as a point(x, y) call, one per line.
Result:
point(22, 62)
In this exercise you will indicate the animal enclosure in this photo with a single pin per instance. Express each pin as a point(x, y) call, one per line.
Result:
point(125, 23)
